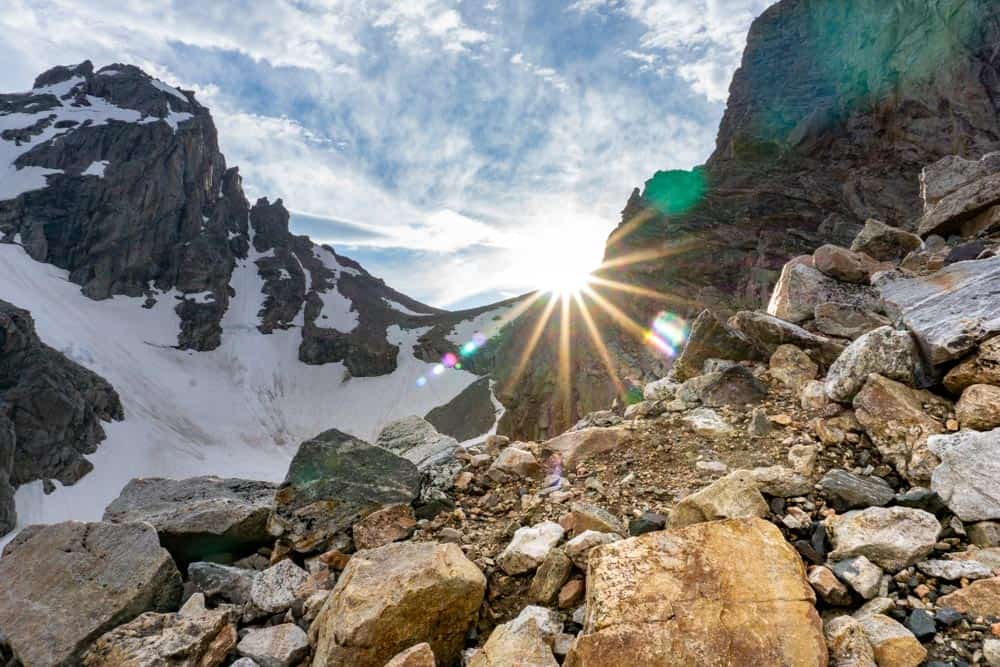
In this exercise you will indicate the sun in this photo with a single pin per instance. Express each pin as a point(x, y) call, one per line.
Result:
point(565, 266)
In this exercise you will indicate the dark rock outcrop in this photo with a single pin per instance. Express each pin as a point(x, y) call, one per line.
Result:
point(51, 410)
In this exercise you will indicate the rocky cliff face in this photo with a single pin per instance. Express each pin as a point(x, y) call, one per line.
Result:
point(835, 110)
point(50, 411)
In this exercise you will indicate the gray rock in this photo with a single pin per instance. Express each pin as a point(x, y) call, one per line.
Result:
point(890, 537)
point(847, 490)
point(275, 589)
point(884, 243)
point(951, 311)
point(985, 534)
point(733, 386)
point(801, 288)
point(277, 646)
point(707, 422)
point(69, 583)
point(884, 351)
point(954, 570)
point(663, 389)
point(735, 496)
point(781, 482)
point(200, 517)
point(844, 321)
point(578, 548)
point(710, 338)
point(792, 367)
point(864, 576)
point(951, 173)
point(760, 425)
point(417, 440)
point(968, 479)
point(768, 333)
point(954, 211)
point(222, 582)
point(529, 547)
point(333, 480)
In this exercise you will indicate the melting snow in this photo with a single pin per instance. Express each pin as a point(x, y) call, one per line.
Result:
point(96, 169)
point(487, 323)
point(159, 85)
point(395, 305)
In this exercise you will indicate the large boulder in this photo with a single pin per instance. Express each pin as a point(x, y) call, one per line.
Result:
point(193, 637)
point(792, 367)
point(893, 644)
point(201, 517)
point(846, 265)
point(890, 537)
point(980, 598)
point(529, 547)
point(416, 439)
point(520, 642)
point(768, 333)
point(951, 311)
point(710, 338)
point(577, 446)
point(735, 496)
point(959, 211)
point(982, 367)
point(801, 288)
point(951, 173)
point(968, 479)
point(334, 480)
point(884, 243)
point(277, 646)
point(67, 584)
point(713, 594)
point(884, 351)
point(899, 419)
point(735, 385)
point(393, 597)
point(844, 321)
point(979, 407)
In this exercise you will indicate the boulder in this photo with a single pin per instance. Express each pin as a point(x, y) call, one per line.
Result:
point(734, 386)
point(981, 367)
point(584, 516)
point(955, 570)
point(735, 496)
point(393, 597)
point(892, 643)
point(985, 534)
point(416, 440)
point(529, 547)
point(845, 321)
point(768, 332)
point(276, 646)
point(979, 407)
point(644, 410)
point(222, 582)
point(980, 598)
point(709, 338)
point(578, 446)
point(201, 517)
point(334, 480)
point(792, 367)
point(514, 462)
point(801, 288)
point(828, 587)
point(550, 577)
point(989, 556)
point(707, 422)
point(862, 575)
point(714, 594)
point(275, 589)
point(781, 482)
point(420, 655)
point(660, 390)
point(847, 490)
point(890, 537)
point(847, 643)
point(813, 397)
point(846, 265)
point(520, 642)
point(899, 420)
point(66, 584)
point(956, 213)
point(968, 479)
point(383, 526)
point(884, 243)
point(578, 548)
point(951, 173)
point(193, 637)
point(885, 351)
point(951, 311)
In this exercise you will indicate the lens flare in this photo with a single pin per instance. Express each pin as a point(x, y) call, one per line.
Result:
point(449, 360)
point(668, 333)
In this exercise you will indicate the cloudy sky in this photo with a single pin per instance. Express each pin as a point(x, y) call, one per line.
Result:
point(457, 148)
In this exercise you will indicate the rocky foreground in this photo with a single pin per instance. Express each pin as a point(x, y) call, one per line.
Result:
point(817, 484)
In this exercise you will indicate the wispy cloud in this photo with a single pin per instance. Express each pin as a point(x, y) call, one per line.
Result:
point(452, 143)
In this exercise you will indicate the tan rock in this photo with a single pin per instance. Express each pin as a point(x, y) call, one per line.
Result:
point(982, 367)
point(583, 517)
point(578, 549)
point(802, 458)
point(792, 367)
point(383, 526)
point(735, 496)
point(393, 597)
point(520, 644)
point(420, 655)
point(281, 645)
point(893, 644)
point(577, 446)
point(847, 643)
point(549, 578)
point(899, 419)
point(813, 396)
point(828, 587)
point(979, 407)
point(980, 598)
point(890, 537)
point(710, 595)
point(572, 593)
point(843, 264)
point(515, 462)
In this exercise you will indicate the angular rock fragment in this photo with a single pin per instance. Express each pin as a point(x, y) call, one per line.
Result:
point(846, 265)
point(956, 212)
point(801, 288)
point(707, 422)
point(980, 598)
point(529, 547)
point(275, 589)
point(847, 643)
point(860, 574)
point(968, 479)
point(982, 367)
point(979, 407)
point(893, 644)
point(550, 577)
point(792, 367)
point(577, 446)
point(844, 321)
point(848, 491)
point(884, 243)
point(578, 548)
point(514, 462)
point(390, 524)
point(885, 351)
point(276, 646)
point(710, 338)
point(768, 332)
point(416, 440)
point(890, 537)
point(735, 496)
point(955, 570)
point(420, 655)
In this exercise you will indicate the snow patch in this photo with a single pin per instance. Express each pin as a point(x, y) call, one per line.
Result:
point(96, 169)
point(397, 306)
point(487, 323)
point(199, 297)
point(170, 90)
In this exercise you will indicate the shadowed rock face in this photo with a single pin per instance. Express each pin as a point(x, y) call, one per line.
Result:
point(835, 110)
point(50, 411)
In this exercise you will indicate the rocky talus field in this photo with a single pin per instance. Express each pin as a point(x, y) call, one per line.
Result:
point(814, 484)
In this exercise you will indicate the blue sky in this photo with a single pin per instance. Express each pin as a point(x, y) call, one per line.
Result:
point(459, 149)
